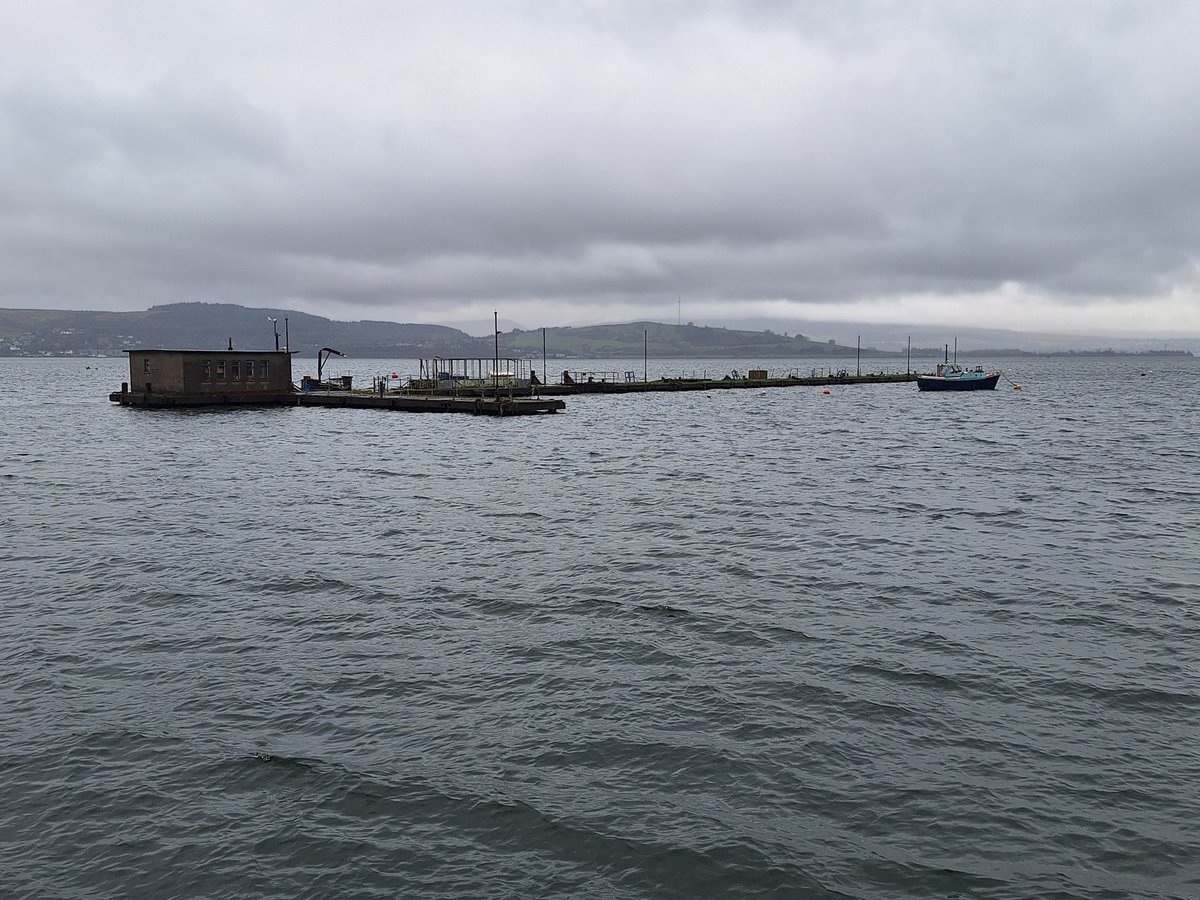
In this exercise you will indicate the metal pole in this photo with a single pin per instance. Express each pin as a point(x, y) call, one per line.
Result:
point(908, 365)
point(545, 368)
point(496, 361)
point(646, 355)
point(287, 341)
point(956, 350)
point(858, 359)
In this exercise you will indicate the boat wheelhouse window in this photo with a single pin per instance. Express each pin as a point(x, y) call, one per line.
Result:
point(235, 369)
point(207, 370)
point(221, 368)
point(249, 370)
point(265, 370)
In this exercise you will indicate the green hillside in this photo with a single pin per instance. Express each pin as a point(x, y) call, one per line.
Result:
point(665, 342)
point(183, 326)
point(197, 326)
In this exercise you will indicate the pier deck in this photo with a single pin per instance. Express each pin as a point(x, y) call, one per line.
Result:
point(478, 406)
point(477, 402)
point(712, 384)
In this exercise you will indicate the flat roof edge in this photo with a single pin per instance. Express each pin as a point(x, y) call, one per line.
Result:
point(212, 352)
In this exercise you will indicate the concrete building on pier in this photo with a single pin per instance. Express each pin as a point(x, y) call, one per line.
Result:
point(239, 375)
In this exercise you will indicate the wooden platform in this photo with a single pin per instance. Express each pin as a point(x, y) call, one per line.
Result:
point(477, 406)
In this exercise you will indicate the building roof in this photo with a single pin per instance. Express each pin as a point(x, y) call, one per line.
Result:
point(214, 352)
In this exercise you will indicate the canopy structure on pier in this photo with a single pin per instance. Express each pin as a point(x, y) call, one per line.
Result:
point(449, 375)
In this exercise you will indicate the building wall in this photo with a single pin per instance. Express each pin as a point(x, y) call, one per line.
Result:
point(203, 372)
point(162, 372)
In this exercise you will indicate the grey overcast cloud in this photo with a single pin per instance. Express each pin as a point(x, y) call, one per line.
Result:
point(1009, 164)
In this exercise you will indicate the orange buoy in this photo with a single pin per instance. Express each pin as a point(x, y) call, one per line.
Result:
point(826, 391)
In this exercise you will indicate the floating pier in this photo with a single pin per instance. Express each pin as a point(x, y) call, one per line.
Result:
point(165, 379)
point(727, 383)
point(476, 406)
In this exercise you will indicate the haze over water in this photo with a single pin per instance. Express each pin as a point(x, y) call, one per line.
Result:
point(754, 643)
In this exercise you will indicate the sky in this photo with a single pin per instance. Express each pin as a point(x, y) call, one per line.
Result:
point(1023, 165)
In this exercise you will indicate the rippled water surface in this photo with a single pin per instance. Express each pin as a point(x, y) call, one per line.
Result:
point(757, 643)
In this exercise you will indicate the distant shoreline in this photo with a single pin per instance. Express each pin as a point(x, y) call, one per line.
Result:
point(921, 354)
point(1065, 353)
point(84, 334)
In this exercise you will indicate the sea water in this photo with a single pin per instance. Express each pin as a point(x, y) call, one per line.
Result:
point(758, 643)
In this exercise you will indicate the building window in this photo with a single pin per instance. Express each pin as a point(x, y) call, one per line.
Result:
point(146, 365)
point(249, 370)
point(265, 371)
point(221, 369)
point(208, 370)
point(235, 369)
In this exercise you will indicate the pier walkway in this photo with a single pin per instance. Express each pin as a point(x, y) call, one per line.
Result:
point(477, 406)
point(712, 384)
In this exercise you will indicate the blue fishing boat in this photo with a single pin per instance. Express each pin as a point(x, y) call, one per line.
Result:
point(952, 377)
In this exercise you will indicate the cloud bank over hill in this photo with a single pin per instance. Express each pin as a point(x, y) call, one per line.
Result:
point(1018, 165)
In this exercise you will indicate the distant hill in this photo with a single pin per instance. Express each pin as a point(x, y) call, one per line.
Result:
point(210, 326)
point(200, 326)
point(668, 342)
point(930, 340)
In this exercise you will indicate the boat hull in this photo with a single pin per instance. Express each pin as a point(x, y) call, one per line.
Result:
point(937, 383)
